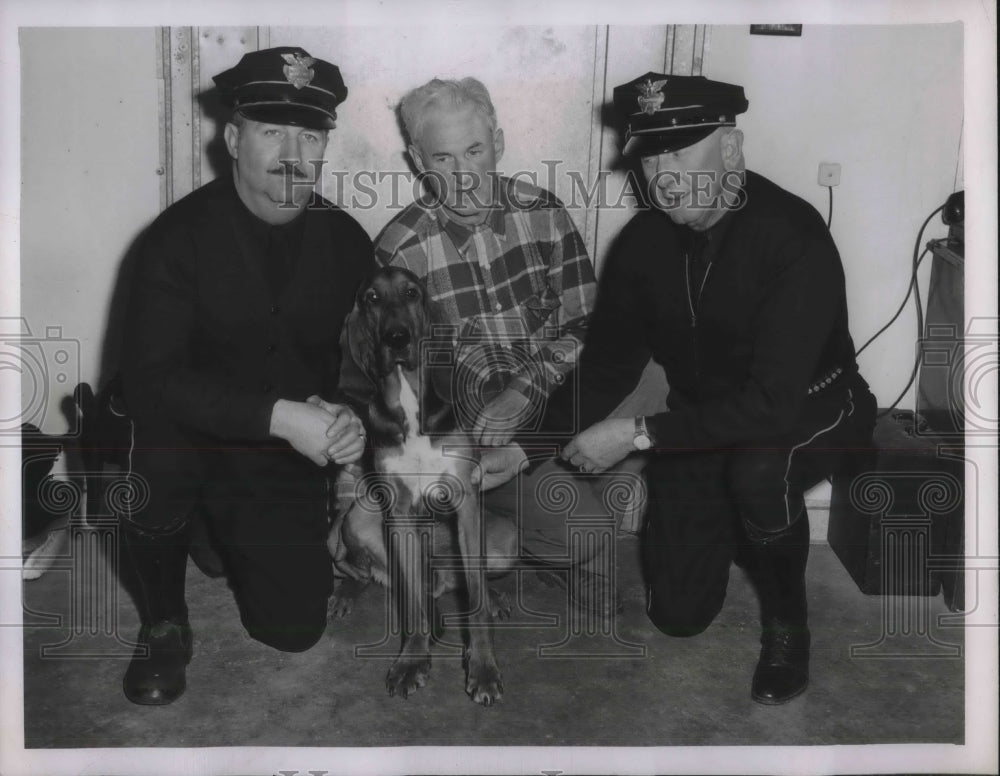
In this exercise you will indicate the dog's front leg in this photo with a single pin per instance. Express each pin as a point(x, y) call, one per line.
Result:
point(408, 549)
point(482, 675)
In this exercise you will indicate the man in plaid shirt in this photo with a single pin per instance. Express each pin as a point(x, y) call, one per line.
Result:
point(504, 263)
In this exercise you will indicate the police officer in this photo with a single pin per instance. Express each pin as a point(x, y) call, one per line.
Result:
point(230, 373)
point(735, 287)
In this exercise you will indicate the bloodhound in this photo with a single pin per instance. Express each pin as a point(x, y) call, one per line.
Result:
point(417, 463)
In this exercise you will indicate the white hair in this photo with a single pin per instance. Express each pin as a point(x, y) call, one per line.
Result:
point(415, 104)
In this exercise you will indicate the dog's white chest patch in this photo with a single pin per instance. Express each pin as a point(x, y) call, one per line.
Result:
point(418, 464)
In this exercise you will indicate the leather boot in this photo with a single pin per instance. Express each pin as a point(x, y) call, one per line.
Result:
point(779, 564)
point(153, 569)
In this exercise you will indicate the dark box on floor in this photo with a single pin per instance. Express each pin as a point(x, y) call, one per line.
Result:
point(897, 514)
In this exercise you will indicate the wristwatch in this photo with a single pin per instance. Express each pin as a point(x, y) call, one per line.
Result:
point(641, 440)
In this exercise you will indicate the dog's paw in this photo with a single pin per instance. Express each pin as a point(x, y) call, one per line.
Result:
point(500, 605)
point(407, 675)
point(342, 601)
point(483, 682)
point(354, 565)
point(339, 607)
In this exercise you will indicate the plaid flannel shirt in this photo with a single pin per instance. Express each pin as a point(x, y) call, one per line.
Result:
point(520, 288)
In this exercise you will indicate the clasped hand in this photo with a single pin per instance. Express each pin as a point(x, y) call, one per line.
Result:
point(319, 430)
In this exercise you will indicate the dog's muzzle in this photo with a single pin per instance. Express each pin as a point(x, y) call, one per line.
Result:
point(396, 338)
point(396, 346)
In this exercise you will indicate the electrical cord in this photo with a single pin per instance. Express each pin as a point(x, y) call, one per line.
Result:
point(899, 311)
point(913, 376)
point(914, 288)
point(829, 215)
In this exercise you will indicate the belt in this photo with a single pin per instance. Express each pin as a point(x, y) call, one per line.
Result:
point(825, 381)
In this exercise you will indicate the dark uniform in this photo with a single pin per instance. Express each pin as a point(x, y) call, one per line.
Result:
point(228, 315)
point(214, 339)
point(749, 321)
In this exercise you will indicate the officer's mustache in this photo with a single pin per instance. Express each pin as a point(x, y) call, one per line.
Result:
point(293, 170)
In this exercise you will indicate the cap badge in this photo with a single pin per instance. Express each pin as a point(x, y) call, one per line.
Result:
point(652, 96)
point(299, 70)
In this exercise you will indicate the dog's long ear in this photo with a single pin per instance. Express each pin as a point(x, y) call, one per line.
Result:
point(358, 378)
point(442, 336)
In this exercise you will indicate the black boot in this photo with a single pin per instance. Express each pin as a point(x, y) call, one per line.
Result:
point(153, 568)
point(778, 564)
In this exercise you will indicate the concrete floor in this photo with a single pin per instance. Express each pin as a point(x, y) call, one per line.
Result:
point(640, 689)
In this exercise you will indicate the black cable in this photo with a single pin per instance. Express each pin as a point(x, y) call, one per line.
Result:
point(899, 311)
point(913, 376)
point(913, 284)
point(829, 215)
point(913, 287)
point(920, 334)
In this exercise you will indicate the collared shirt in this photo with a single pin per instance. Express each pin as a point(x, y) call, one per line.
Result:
point(281, 243)
point(519, 287)
point(701, 249)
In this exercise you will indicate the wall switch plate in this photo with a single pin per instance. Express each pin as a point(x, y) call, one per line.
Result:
point(829, 174)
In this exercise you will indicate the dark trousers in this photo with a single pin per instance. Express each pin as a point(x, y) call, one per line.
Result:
point(278, 564)
point(267, 513)
point(705, 506)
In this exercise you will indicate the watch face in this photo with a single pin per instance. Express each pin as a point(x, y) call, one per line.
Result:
point(642, 442)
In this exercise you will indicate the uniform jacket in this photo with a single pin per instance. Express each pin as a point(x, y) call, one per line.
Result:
point(740, 350)
point(208, 351)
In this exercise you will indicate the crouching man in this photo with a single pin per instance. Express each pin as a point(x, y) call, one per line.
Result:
point(241, 290)
point(736, 288)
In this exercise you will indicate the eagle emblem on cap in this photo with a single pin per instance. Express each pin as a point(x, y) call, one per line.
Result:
point(652, 95)
point(299, 70)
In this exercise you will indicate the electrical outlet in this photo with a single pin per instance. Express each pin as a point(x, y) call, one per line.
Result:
point(829, 174)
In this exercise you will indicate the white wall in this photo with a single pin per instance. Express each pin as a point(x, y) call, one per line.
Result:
point(91, 116)
point(89, 158)
point(886, 103)
point(541, 80)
